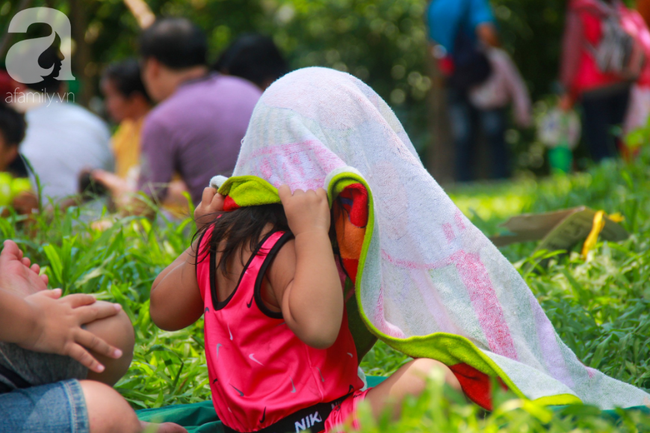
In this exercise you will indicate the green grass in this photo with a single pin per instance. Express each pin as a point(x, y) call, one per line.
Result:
point(600, 307)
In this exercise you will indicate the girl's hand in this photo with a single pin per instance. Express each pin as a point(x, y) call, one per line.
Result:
point(306, 210)
point(211, 203)
point(58, 327)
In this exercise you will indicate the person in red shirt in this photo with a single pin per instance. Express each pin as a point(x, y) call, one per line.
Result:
point(604, 95)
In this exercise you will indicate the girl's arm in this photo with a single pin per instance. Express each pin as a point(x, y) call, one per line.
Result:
point(175, 297)
point(304, 276)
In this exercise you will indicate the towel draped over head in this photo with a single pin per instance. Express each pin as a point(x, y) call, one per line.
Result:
point(427, 281)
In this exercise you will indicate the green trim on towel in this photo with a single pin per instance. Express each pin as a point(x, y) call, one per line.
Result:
point(558, 400)
point(250, 191)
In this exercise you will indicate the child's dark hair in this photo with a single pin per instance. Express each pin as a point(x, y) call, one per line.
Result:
point(12, 125)
point(239, 228)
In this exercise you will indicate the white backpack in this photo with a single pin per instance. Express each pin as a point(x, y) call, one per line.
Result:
point(618, 52)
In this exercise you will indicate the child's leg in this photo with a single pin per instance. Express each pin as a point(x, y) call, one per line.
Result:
point(108, 412)
point(410, 379)
point(117, 331)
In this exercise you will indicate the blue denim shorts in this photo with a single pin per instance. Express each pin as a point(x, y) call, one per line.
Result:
point(56, 408)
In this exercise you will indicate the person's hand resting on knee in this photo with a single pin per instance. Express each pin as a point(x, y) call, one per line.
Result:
point(39, 319)
point(59, 327)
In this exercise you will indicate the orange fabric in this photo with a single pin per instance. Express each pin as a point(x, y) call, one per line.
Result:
point(126, 147)
point(643, 6)
point(350, 219)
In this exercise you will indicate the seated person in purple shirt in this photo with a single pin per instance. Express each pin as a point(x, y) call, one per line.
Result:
point(200, 120)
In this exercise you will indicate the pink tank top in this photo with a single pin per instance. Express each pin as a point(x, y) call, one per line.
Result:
point(260, 371)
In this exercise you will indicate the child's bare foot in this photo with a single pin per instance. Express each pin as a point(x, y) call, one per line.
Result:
point(16, 275)
point(166, 427)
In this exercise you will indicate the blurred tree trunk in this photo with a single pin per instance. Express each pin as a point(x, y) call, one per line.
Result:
point(7, 38)
point(82, 55)
point(440, 154)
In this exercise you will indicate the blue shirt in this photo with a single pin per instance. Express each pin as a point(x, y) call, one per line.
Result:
point(446, 17)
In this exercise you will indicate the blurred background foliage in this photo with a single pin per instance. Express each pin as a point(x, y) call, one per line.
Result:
point(383, 42)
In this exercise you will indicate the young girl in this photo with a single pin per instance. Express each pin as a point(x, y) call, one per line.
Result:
point(280, 354)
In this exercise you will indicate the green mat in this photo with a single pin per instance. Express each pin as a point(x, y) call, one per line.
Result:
point(201, 418)
point(196, 418)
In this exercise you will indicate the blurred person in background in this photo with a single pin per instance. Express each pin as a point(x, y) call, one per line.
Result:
point(128, 103)
point(15, 188)
point(638, 109)
point(603, 90)
point(12, 133)
point(255, 58)
point(8, 87)
point(460, 30)
point(505, 85)
point(63, 139)
point(197, 127)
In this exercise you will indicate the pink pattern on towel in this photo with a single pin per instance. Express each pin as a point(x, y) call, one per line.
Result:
point(485, 302)
point(551, 351)
point(380, 319)
point(408, 264)
point(481, 293)
point(449, 232)
point(433, 301)
point(458, 217)
point(300, 165)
